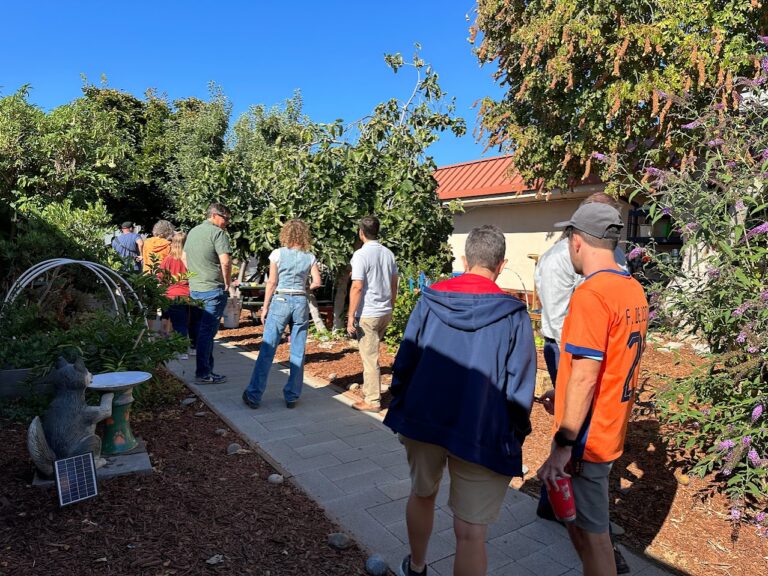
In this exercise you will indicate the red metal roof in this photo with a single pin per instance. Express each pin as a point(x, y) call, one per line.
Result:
point(484, 177)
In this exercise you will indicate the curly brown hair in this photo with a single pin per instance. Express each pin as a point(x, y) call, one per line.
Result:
point(295, 234)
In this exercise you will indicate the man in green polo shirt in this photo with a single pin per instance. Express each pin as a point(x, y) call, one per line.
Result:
point(208, 257)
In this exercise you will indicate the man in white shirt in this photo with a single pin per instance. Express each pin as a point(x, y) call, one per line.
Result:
point(371, 301)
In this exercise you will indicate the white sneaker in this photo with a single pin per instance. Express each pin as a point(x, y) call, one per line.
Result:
point(183, 356)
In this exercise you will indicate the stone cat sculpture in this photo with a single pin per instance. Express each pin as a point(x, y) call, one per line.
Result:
point(67, 428)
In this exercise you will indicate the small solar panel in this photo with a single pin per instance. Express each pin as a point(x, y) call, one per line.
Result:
point(76, 479)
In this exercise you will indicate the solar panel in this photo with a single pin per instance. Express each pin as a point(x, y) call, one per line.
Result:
point(76, 479)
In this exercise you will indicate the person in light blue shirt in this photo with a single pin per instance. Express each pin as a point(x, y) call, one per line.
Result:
point(285, 302)
point(128, 246)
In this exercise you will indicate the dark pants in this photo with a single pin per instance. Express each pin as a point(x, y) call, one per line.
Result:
point(552, 359)
point(214, 302)
point(185, 320)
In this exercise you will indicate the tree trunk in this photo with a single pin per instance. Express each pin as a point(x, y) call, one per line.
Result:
point(314, 311)
point(342, 279)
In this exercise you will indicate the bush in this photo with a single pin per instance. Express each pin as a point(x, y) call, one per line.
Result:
point(717, 195)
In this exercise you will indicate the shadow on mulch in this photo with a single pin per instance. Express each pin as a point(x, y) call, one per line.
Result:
point(198, 503)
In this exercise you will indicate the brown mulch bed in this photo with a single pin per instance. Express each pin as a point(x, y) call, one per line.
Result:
point(198, 503)
point(665, 513)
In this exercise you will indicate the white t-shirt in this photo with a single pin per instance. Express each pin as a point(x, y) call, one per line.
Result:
point(375, 266)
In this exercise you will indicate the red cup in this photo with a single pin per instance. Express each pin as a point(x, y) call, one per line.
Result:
point(562, 501)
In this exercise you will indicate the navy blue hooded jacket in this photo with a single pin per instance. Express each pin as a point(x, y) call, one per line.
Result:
point(464, 377)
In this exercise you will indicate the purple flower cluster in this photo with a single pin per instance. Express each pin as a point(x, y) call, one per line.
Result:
point(691, 125)
point(735, 514)
point(763, 39)
point(764, 64)
point(760, 517)
point(691, 227)
point(759, 229)
point(764, 155)
point(757, 412)
point(713, 273)
point(651, 171)
point(741, 308)
point(599, 156)
point(635, 253)
point(730, 164)
point(663, 95)
point(726, 445)
point(746, 441)
point(740, 205)
point(752, 349)
point(666, 211)
point(754, 458)
point(742, 337)
point(716, 142)
point(764, 295)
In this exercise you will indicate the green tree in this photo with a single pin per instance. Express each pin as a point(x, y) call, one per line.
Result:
point(593, 76)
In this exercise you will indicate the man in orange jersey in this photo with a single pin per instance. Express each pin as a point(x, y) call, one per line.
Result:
point(602, 340)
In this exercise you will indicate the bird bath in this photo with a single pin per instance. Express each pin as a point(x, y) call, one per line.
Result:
point(118, 436)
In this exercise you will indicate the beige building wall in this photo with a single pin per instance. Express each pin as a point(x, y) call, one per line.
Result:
point(528, 226)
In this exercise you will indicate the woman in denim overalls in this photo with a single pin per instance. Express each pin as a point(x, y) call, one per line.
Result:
point(289, 268)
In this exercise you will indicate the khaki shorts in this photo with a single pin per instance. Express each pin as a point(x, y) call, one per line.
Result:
point(590, 491)
point(477, 493)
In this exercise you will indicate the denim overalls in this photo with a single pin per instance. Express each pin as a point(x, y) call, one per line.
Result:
point(288, 306)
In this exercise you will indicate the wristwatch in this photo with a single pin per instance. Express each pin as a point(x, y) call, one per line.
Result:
point(562, 441)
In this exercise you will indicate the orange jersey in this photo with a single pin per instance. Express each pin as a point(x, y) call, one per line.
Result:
point(607, 321)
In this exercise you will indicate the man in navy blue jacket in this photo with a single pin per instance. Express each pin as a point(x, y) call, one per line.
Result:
point(462, 389)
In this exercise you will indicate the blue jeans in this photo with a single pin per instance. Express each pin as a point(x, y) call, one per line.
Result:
point(283, 310)
point(185, 320)
point(214, 302)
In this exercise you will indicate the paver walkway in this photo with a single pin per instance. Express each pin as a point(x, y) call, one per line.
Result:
point(355, 468)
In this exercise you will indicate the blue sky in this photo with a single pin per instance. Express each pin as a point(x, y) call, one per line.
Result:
point(259, 52)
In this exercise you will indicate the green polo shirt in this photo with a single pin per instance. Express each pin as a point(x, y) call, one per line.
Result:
point(204, 245)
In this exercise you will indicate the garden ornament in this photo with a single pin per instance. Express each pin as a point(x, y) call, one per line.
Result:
point(67, 428)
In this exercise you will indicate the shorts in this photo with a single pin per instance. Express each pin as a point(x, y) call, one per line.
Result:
point(590, 491)
point(477, 493)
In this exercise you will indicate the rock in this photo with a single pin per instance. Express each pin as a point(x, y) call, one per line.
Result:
point(201, 414)
point(189, 401)
point(376, 565)
point(339, 541)
point(325, 345)
point(275, 479)
point(221, 432)
point(215, 559)
point(701, 349)
point(354, 386)
point(682, 479)
point(332, 377)
point(233, 448)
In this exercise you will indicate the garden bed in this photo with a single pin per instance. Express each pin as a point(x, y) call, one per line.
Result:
point(198, 503)
point(665, 513)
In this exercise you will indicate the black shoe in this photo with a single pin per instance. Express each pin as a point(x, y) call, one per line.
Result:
point(291, 403)
point(248, 402)
point(211, 379)
point(545, 512)
point(621, 564)
point(405, 568)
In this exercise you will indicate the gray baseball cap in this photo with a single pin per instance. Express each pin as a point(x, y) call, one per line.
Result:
point(596, 219)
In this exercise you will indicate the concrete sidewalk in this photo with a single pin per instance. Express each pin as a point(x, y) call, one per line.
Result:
point(355, 468)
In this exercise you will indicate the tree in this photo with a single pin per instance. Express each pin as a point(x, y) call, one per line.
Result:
point(588, 77)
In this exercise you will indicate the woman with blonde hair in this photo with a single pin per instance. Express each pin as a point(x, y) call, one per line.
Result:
point(289, 268)
point(185, 318)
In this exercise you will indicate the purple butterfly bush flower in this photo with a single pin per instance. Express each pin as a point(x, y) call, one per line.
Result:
point(691, 227)
point(741, 308)
point(663, 95)
point(764, 154)
point(666, 211)
point(759, 229)
point(752, 349)
point(754, 458)
point(735, 514)
point(705, 411)
point(635, 253)
point(746, 441)
point(716, 142)
point(726, 445)
point(764, 64)
point(764, 295)
point(718, 106)
point(740, 205)
point(652, 171)
point(760, 517)
point(691, 125)
point(742, 337)
point(651, 314)
point(763, 39)
point(730, 164)
point(713, 273)
point(757, 412)
point(599, 156)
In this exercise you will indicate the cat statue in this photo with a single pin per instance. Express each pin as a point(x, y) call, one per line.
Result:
point(67, 428)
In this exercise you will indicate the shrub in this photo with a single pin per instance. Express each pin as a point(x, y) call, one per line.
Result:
point(717, 196)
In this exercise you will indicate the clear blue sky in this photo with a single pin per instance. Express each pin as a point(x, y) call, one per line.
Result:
point(259, 52)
